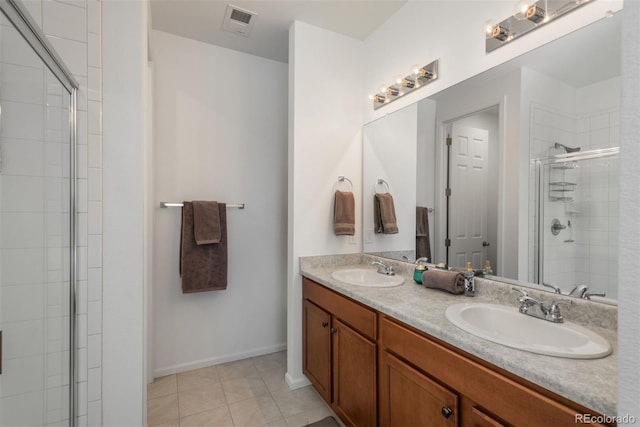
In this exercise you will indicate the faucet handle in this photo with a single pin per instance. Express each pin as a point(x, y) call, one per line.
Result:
point(524, 296)
point(556, 290)
point(588, 295)
point(554, 314)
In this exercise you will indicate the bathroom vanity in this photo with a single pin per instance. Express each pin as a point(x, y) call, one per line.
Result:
point(388, 356)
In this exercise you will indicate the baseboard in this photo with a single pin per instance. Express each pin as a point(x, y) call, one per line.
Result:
point(296, 382)
point(176, 369)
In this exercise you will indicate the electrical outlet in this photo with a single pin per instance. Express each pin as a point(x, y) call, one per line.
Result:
point(369, 236)
point(352, 240)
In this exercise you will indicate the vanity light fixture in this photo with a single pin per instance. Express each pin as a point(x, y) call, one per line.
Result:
point(420, 76)
point(529, 15)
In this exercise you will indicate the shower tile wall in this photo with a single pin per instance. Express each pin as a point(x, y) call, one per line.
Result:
point(592, 259)
point(74, 29)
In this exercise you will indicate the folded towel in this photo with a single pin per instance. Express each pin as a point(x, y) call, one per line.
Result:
point(202, 267)
point(449, 281)
point(423, 246)
point(206, 222)
point(344, 214)
point(384, 214)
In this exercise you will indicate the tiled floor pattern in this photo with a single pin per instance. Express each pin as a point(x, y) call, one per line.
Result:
point(250, 392)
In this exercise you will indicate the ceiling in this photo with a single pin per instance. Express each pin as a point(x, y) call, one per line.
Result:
point(202, 20)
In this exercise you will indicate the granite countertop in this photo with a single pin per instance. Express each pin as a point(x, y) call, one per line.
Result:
point(591, 383)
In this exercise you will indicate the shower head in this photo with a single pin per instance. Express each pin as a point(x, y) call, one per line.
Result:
point(566, 149)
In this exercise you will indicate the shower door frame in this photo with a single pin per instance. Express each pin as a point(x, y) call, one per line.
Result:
point(540, 165)
point(31, 32)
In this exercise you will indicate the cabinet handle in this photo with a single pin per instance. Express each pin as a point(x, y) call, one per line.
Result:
point(333, 330)
point(446, 412)
point(325, 324)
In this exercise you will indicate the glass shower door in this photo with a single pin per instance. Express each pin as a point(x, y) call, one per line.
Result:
point(35, 242)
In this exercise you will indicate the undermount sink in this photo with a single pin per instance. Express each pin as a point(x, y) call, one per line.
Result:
point(367, 277)
point(507, 326)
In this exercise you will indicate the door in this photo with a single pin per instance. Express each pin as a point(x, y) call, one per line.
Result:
point(317, 348)
point(468, 201)
point(354, 376)
point(35, 244)
point(410, 398)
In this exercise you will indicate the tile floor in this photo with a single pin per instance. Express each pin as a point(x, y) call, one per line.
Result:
point(250, 392)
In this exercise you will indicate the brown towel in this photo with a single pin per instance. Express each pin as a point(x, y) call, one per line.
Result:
point(384, 214)
point(449, 281)
point(423, 246)
point(206, 222)
point(202, 267)
point(344, 214)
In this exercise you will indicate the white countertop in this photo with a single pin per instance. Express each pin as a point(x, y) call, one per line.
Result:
point(591, 383)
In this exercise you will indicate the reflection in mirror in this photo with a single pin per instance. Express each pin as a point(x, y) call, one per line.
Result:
point(532, 141)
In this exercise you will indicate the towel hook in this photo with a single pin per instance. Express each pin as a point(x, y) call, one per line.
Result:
point(344, 178)
point(380, 182)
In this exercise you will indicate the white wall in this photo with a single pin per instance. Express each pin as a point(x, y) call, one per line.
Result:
point(325, 141)
point(220, 134)
point(124, 44)
point(389, 152)
point(628, 314)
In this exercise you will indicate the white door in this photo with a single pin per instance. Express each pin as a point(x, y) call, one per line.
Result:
point(468, 201)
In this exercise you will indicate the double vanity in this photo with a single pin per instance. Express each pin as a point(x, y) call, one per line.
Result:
point(383, 350)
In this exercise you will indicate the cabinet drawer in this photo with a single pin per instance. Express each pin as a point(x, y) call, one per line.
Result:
point(513, 402)
point(350, 312)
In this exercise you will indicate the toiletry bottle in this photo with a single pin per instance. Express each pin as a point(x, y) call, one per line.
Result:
point(487, 268)
point(469, 281)
point(417, 272)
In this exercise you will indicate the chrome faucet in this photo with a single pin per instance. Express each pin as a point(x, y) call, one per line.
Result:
point(551, 313)
point(582, 291)
point(383, 268)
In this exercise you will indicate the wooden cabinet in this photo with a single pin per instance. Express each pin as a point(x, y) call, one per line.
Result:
point(484, 389)
point(339, 353)
point(317, 348)
point(410, 398)
point(374, 370)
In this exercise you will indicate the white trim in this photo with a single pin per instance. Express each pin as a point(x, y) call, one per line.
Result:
point(183, 367)
point(296, 382)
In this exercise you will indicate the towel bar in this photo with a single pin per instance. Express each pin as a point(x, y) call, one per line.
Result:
point(380, 182)
point(344, 178)
point(179, 205)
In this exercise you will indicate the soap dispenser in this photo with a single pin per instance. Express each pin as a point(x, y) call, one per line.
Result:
point(469, 281)
point(487, 268)
point(419, 269)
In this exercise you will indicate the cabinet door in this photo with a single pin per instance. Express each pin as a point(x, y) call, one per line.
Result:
point(410, 398)
point(317, 348)
point(480, 419)
point(354, 376)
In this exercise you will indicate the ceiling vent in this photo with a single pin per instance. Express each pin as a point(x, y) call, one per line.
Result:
point(238, 20)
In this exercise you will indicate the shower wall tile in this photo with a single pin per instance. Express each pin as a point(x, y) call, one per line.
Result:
point(94, 257)
point(73, 53)
point(22, 84)
point(64, 20)
point(22, 156)
point(94, 391)
point(95, 85)
point(22, 267)
point(15, 344)
point(94, 116)
point(94, 292)
point(94, 18)
point(15, 50)
point(23, 121)
point(94, 353)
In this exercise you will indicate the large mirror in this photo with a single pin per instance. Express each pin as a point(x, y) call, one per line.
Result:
point(517, 165)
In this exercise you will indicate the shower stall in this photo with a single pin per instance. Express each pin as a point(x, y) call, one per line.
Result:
point(37, 227)
point(577, 220)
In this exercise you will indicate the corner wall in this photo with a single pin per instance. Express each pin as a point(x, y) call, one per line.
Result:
point(325, 141)
point(220, 134)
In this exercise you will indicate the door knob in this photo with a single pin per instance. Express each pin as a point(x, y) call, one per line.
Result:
point(325, 324)
point(446, 412)
point(485, 244)
point(333, 330)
